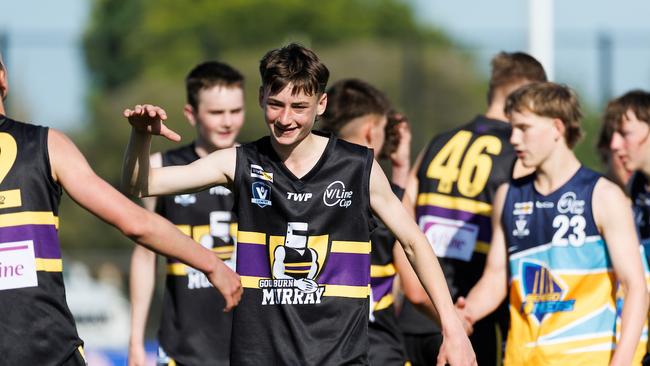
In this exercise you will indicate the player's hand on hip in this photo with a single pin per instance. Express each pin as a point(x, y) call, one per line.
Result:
point(228, 283)
point(456, 349)
point(148, 118)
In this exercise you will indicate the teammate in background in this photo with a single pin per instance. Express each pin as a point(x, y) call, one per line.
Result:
point(296, 175)
point(452, 186)
point(357, 112)
point(191, 331)
point(565, 236)
point(36, 163)
point(629, 143)
point(615, 170)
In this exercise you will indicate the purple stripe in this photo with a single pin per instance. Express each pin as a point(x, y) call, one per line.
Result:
point(484, 223)
point(346, 269)
point(46, 240)
point(253, 260)
point(381, 286)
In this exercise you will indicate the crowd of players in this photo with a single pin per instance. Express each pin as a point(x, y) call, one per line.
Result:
point(324, 260)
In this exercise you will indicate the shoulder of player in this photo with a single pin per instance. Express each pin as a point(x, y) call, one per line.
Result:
point(607, 191)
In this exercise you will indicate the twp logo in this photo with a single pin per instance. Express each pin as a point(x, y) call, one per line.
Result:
point(299, 197)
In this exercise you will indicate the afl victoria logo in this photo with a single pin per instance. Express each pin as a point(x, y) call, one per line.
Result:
point(336, 195)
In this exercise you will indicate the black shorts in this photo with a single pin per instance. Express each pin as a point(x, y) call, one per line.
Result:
point(386, 347)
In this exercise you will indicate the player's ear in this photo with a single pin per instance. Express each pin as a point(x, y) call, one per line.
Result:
point(559, 127)
point(188, 111)
point(322, 104)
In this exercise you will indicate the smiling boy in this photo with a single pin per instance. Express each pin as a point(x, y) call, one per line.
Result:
point(311, 194)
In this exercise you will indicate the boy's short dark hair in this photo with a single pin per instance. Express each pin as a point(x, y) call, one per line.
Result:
point(638, 101)
point(296, 65)
point(549, 100)
point(348, 99)
point(509, 68)
point(208, 75)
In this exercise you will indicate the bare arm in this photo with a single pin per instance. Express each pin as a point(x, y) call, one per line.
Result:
point(142, 276)
point(71, 170)
point(613, 216)
point(456, 348)
point(139, 179)
point(488, 293)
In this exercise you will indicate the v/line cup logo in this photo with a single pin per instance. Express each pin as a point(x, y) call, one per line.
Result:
point(336, 195)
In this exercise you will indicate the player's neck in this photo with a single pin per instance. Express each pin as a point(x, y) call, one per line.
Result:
point(303, 156)
point(495, 111)
point(556, 170)
point(2, 108)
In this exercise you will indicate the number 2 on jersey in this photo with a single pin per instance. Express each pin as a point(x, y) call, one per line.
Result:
point(8, 153)
point(471, 173)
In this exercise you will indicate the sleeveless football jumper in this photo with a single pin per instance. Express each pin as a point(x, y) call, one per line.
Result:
point(562, 286)
point(36, 326)
point(300, 308)
point(193, 329)
point(458, 178)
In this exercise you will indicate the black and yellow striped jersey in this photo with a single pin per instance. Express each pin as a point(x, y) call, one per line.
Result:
point(193, 329)
point(304, 257)
point(36, 325)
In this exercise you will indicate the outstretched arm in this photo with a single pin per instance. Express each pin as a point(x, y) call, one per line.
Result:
point(139, 179)
point(490, 291)
point(456, 348)
point(71, 170)
point(614, 219)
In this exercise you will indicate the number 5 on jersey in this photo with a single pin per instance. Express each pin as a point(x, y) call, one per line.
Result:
point(471, 173)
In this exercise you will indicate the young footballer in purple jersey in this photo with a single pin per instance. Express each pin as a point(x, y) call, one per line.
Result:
point(303, 200)
point(36, 165)
point(191, 332)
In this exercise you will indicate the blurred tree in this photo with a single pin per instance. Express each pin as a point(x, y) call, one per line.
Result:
point(138, 51)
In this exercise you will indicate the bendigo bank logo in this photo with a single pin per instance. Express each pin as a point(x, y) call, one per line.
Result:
point(295, 264)
point(336, 195)
point(543, 294)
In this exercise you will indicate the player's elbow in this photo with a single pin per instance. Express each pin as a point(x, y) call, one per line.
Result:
point(137, 226)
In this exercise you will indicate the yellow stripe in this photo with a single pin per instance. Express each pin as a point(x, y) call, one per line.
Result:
point(296, 270)
point(385, 302)
point(10, 198)
point(251, 237)
point(185, 229)
point(360, 292)
point(382, 271)
point(171, 362)
point(49, 265)
point(482, 247)
point(455, 203)
point(298, 264)
point(176, 269)
point(81, 352)
point(224, 249)
point(224, 256)
point(251, 281)
point(29, 218)
point(356, 247)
